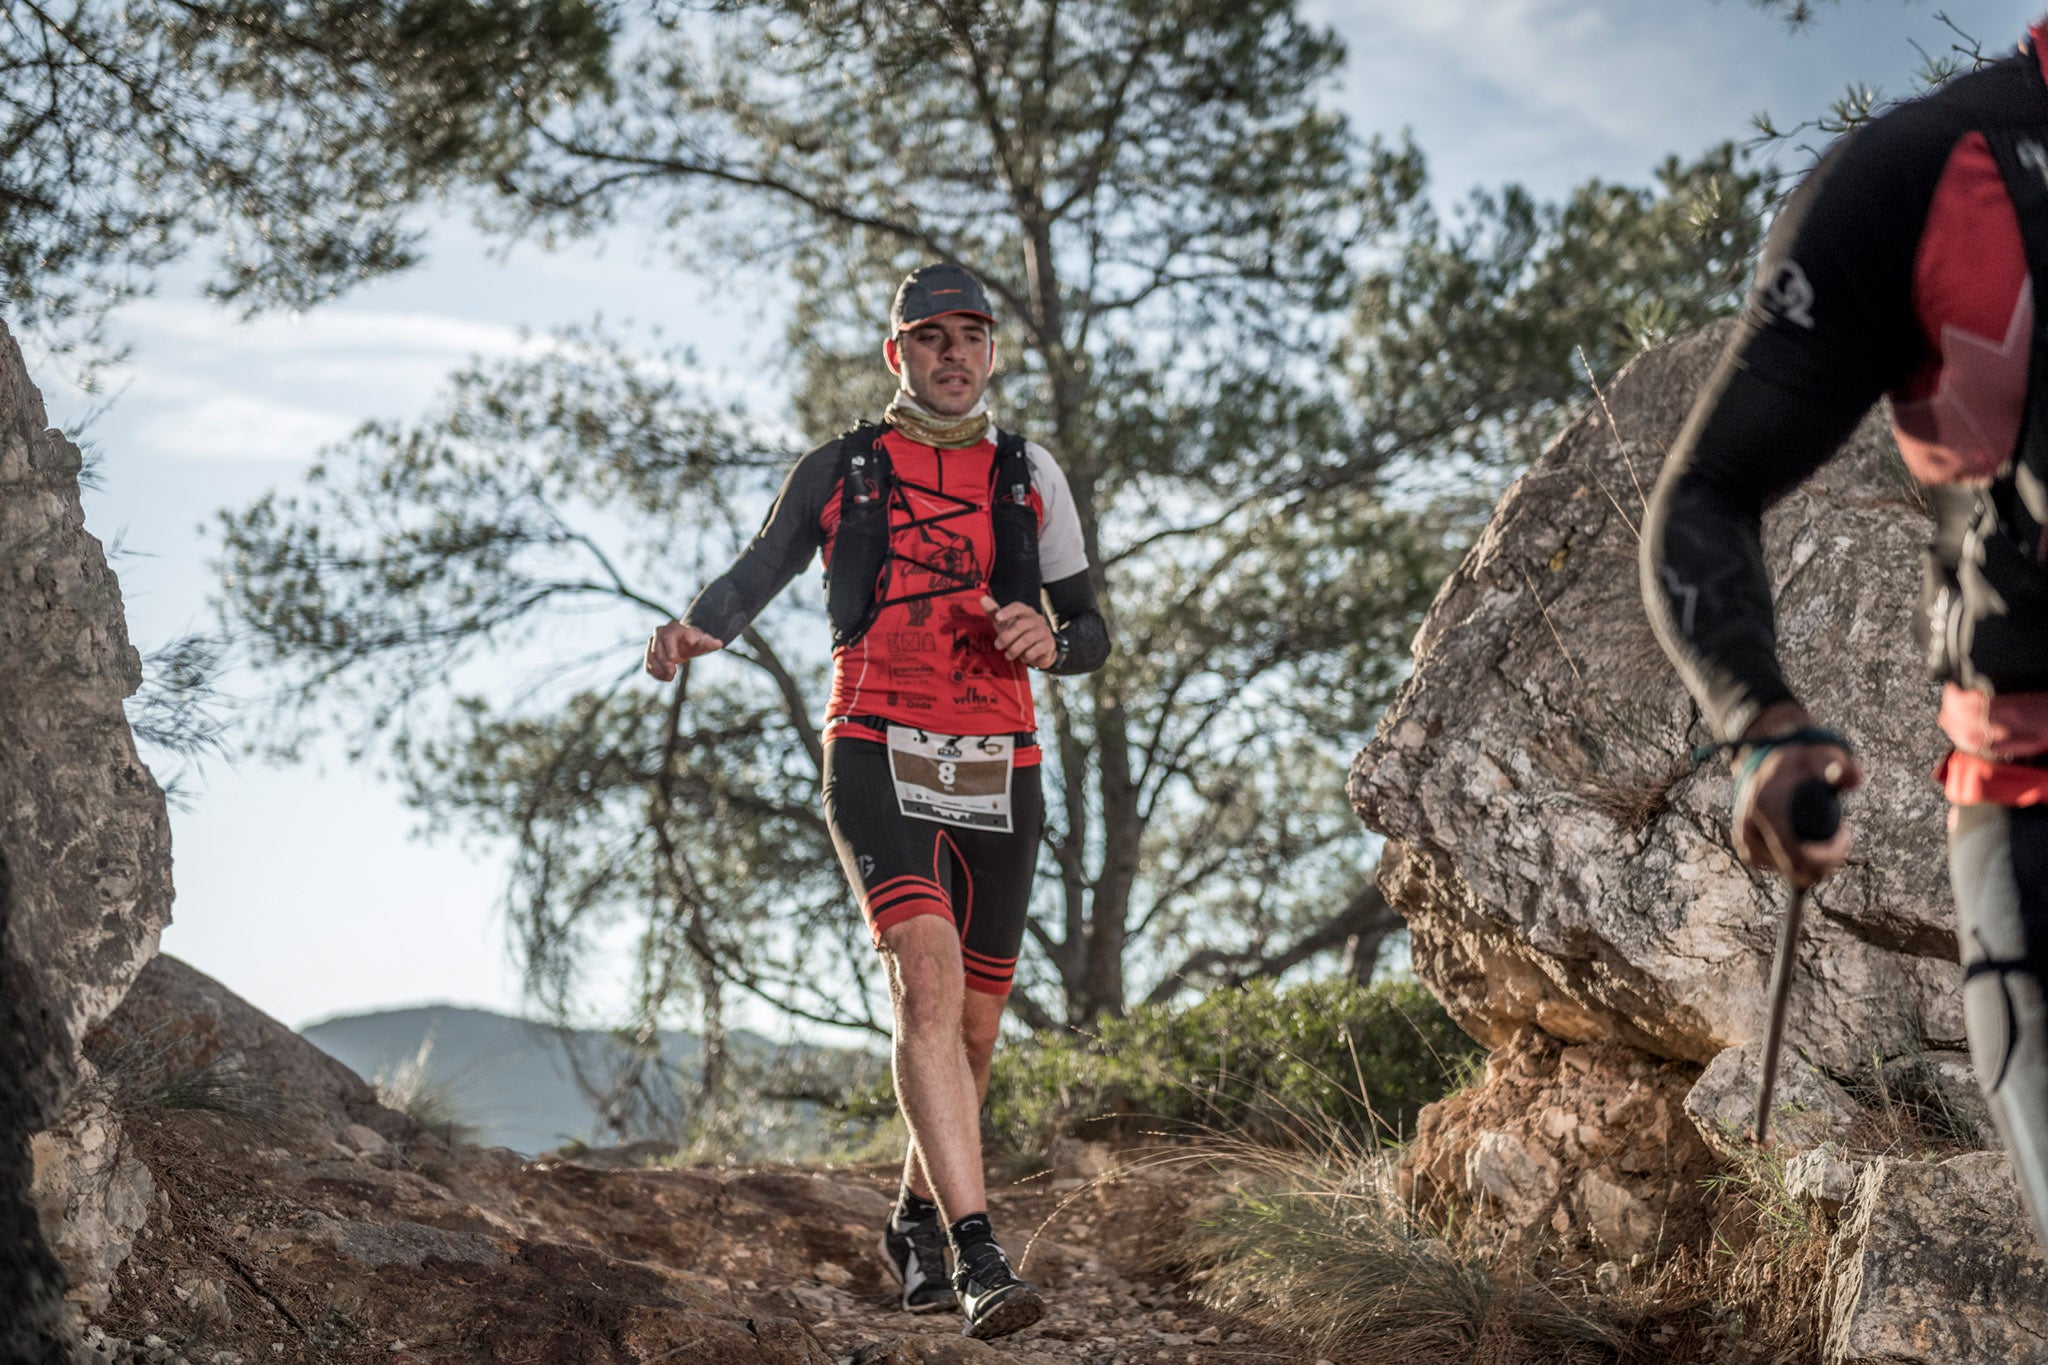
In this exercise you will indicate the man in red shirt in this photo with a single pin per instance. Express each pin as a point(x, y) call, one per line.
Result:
point(931, 771)
point(1903, 266)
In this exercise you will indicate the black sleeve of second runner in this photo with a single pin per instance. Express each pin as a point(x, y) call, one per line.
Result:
point(1077, 620)
point(1829, 329)
point(789, 537)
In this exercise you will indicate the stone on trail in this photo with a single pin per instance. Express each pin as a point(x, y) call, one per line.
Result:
point(1808, 1106)
point(921, 1350)
point(1822, 1176)
point(1935, 1263)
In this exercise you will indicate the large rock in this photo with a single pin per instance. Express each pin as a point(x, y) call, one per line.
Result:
point(31, 1281)
point(181, 1028)
point(181, 1039)
point(84, 837)
point(1566, 872)
point(1936, 1264)
point(1560, 860)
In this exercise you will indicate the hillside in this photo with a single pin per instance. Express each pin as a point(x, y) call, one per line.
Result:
point(285, 1217)
point(514, 1083)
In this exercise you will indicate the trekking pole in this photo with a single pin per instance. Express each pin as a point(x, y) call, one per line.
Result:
point(1816, 813)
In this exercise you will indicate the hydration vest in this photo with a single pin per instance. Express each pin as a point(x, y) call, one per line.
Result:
point(857, 582)
point(1984, 595)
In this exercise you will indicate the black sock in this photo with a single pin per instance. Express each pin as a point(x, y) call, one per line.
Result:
point(966, 1232)
point(912, 1209)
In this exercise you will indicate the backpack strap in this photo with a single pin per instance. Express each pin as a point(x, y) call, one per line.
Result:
point(1985, 595)
point(1013, 576)
point(858, 578)
point(857, 581)
point(2022, 156)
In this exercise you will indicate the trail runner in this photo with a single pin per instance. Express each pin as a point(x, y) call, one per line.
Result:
point(1902, 266)
point(955, 564)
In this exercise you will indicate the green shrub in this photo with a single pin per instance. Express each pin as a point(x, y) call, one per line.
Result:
point(1259, 1062)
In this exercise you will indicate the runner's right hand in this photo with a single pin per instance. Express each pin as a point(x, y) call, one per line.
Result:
point(1763, 815)
point(669, 646)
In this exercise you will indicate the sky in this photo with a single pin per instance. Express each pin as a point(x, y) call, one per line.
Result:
point(304, 888)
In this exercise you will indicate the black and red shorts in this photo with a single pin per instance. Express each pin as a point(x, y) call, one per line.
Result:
point(900, 866)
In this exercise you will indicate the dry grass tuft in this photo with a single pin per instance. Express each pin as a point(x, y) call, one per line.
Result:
point(1905, 1114)
point(1316, 1239)
point(1331, 1255)
point(1634, 800)
point(416, 1091)
point(152, 1069)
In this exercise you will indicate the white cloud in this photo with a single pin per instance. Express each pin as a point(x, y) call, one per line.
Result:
point(238, 426)
point(205, 385)
point(334, 328)
point(1553, 92)
point(1499, 82)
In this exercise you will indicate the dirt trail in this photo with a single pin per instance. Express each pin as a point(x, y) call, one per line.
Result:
point(259, 1251)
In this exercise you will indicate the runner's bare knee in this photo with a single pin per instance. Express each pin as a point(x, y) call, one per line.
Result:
point(924, 973)
point(978, 1030)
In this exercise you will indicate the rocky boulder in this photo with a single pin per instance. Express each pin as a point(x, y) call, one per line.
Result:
point(84, 837)
point(181, 1028)
point(1561, 861)
point(1572, 895)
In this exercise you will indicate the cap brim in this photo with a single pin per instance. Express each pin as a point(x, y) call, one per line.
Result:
point(908, 323)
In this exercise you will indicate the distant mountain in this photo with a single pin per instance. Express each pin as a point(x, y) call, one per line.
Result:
point(514, 1082)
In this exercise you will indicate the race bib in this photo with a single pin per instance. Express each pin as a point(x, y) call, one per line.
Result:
point(953, 779)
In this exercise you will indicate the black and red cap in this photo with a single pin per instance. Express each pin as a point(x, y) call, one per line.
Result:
point(933, 290)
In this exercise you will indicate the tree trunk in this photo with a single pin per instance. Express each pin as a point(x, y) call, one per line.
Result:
point(1102, 984)
point(711, 1001)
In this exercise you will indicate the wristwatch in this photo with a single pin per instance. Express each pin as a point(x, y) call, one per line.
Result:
point(1059, 652)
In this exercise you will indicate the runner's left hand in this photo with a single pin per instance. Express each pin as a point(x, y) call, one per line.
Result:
point(1763, 806)
point(1022, 633)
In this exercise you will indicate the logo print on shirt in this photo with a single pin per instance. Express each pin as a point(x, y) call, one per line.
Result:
point(2034, 158)
point(1789, 294)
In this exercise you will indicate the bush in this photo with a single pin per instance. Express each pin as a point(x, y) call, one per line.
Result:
point(1260, 1062)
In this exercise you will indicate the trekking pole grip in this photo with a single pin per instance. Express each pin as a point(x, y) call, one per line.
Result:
point(1815, 810)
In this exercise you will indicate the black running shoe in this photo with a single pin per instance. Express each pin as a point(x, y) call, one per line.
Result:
point(917, 1253)
point(996, 1302)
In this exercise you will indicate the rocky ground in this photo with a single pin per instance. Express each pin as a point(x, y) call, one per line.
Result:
point(259, 1250)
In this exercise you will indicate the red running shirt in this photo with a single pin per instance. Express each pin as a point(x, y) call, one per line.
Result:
point(929, 660)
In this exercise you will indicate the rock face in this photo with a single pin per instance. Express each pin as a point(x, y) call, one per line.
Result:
point(91, 1193)
point(31, 1281)
point(1584, 1145)
point(83, 832)
point(1560, 861)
